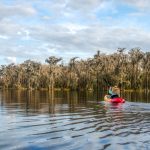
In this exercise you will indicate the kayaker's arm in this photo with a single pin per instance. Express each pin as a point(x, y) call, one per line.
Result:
point(110, 91)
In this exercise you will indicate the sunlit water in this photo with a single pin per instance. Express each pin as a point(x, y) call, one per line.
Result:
point(73, 121)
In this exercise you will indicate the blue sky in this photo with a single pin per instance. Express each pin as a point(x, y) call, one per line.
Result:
point(37, 29)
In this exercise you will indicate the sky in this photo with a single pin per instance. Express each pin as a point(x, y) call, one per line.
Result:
point(38, 29)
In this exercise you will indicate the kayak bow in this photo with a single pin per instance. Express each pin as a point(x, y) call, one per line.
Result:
point(114, 100)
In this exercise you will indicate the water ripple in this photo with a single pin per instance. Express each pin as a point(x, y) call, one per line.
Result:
point(91, 126)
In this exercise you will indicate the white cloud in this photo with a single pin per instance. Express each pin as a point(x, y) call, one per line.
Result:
point(73, 28)
point(10, 60)
point(141, 4)
point(67, 28)
point(16, 10)
point(92, 37)
point(3, 37)
point(73, 39)
point(84, 5)
point(9, 28)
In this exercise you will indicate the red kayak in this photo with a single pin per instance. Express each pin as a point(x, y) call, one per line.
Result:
point(114, 100)
point(117, 100)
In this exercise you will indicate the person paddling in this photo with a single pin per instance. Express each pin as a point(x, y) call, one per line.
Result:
point(114, 95)
point(114, 92)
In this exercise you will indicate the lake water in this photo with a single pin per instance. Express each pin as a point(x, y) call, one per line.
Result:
point(35, 120)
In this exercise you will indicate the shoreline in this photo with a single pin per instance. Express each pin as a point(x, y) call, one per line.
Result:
point(67, 89)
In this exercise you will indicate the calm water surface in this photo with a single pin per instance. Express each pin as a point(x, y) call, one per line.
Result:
point(33, 120)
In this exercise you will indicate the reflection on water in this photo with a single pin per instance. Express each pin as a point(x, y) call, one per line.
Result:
point(71, 120)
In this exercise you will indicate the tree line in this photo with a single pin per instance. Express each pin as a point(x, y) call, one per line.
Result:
point(130, 70)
